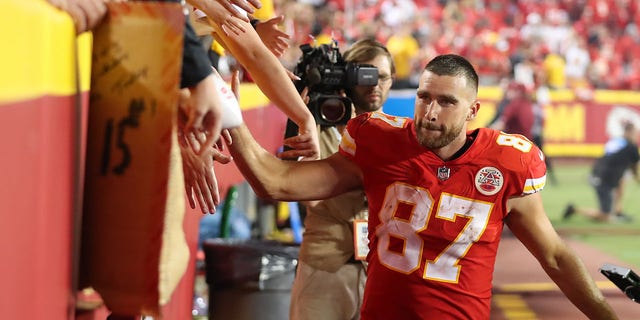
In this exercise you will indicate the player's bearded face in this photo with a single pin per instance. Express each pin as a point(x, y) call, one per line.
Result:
point(436, 136)
point(441, 109)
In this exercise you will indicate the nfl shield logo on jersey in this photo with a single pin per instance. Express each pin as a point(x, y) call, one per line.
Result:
point(443, 173)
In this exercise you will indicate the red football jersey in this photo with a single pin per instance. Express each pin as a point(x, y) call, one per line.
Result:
point(435, 226)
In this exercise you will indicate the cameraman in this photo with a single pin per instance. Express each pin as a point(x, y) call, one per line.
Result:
point(329, 281)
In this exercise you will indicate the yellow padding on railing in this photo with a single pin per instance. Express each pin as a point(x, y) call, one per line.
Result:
point(38, 53)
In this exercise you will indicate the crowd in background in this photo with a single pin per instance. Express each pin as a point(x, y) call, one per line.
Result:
point(570, 44)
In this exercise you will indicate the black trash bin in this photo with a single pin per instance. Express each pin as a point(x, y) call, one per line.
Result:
point(249, 279)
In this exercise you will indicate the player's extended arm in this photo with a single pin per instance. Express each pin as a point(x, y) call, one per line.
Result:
point(273, 178)
point(530, 224)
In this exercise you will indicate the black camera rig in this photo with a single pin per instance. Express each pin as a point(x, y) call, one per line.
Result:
point(327, 76)
point(625, 279)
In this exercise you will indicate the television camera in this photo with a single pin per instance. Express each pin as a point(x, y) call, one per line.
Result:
point(326, 75)
point(625, 279)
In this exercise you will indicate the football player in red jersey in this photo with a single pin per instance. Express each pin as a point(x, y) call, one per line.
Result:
point(439, 196)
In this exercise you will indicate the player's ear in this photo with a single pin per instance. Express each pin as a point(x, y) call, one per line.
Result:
point(473, 110)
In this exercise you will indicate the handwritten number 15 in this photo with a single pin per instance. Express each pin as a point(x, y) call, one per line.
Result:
point(132, 120)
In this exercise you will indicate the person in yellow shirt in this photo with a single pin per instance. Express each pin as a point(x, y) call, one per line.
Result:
point(553, 66)
point(404, 50)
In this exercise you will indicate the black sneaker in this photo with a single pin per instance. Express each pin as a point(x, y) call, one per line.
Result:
point(568, 212)
point(623, 217)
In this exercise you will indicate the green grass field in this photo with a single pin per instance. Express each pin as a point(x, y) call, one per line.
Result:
point(621, 240)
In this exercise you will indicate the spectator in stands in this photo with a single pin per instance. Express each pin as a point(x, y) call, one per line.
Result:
point(404, 49)
point(454, 24)
point(554, 66)
point(397, 12)
point(524, 71)
point(518, 116)
point(601, 66)
point(577, 62)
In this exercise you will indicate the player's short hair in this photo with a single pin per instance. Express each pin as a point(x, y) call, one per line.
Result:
point(453, 65)
point(366, 50)
point(628, 126)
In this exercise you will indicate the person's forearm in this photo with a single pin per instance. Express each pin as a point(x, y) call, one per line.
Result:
point(268, 73)
point(572, 277)
point(203, 5)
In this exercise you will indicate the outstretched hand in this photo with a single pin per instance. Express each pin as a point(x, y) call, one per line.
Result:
point(272, 37)
point(227, 22)
point(225, 14)
point(204, 112)
point(200, 180)
point(248, 6)
point(303, 147)
point(86, 14)
point(306, 144)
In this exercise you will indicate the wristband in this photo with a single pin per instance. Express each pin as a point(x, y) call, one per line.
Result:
point(231, 113)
